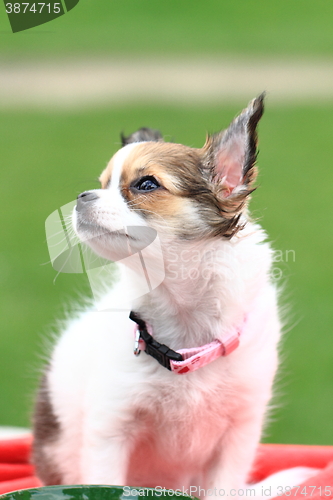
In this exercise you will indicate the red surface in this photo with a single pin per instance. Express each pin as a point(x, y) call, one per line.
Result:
point(19, 484)
point(275, 457)
point(16, 450)
point(16, 472)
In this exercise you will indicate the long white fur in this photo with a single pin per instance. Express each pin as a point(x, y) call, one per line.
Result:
point(203, 428)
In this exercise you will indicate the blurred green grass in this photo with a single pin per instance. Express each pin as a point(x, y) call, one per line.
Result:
point(48, 158)
point(145, 28)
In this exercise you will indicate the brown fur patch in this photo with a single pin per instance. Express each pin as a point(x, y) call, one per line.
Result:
point(181, 173)
point(105, 176)
point(169, 163)
point(46, 429)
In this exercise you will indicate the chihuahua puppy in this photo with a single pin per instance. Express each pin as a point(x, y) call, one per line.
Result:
point(189, 411)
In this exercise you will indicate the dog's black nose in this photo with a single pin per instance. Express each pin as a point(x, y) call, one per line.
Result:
point(85, 197)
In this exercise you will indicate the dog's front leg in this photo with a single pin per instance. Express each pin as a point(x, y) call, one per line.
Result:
point(104, 461)
point(238, 449)
point(104, 456)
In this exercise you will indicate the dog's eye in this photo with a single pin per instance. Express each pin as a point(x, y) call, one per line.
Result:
point(147, 183)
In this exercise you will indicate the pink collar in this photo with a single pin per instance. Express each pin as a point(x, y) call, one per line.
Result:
point(189, 359)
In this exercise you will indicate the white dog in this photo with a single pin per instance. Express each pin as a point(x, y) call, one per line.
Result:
point(183, 419)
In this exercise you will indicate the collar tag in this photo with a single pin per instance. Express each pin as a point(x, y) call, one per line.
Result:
point(137, 348)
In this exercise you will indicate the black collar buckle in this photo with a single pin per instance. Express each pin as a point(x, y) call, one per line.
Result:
point(161, 352)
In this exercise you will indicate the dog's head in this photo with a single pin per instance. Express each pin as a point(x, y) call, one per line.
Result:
point(182, 193)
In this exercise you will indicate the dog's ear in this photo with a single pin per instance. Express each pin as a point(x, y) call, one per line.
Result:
point(230, 156)
point(144, 134)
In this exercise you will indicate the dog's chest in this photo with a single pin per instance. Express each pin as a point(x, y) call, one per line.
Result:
point(180, 439)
